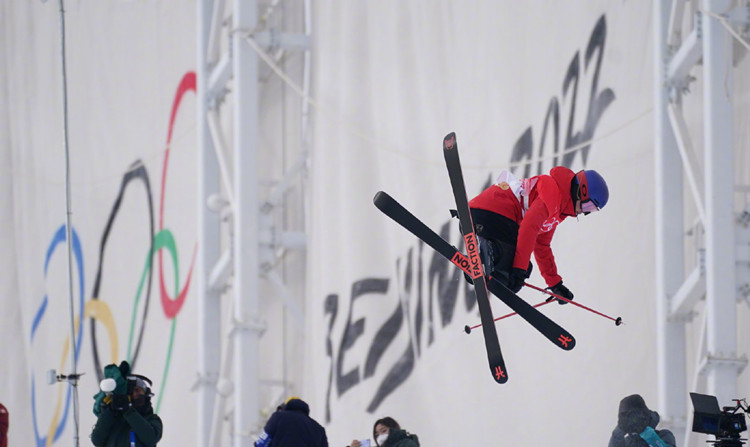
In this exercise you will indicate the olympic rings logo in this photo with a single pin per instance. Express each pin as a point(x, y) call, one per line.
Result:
point(97, 310)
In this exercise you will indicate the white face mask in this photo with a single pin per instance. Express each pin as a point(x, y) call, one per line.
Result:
point(382, 438)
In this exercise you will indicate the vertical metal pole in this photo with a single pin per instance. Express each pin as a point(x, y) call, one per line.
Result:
point(245, 242)
point(669, 234)
point(720, 247)
point(209, 306)
point(73, 375)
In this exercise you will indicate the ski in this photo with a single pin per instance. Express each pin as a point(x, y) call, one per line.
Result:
point(474, 266)
point(551, 330)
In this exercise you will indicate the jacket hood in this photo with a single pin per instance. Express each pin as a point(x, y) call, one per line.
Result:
point(297, 405)
point(634, 416)
point(564, 178)
point(396, 435)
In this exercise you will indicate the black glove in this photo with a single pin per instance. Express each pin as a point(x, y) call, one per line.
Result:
point(120, 402)
point(516, 279)
point(560, 289)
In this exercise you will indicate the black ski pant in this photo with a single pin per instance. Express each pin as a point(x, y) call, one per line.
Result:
point(497, 236)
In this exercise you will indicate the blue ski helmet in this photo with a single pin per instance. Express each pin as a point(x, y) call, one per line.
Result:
point(592, 190)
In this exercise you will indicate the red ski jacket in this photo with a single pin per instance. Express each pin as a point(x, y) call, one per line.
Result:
point(545, 203)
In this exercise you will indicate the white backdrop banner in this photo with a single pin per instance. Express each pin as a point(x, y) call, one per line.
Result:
point(131, 105)
point(527, 86)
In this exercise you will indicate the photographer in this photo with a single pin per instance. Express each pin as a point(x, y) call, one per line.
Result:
point(125, 416)
point(636, 426)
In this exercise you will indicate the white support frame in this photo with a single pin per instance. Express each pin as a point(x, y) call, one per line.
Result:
point(718, 156)
point(671, 356)
point(245, 241)
point(714, 278)
point(209, 307)
point(237, 234)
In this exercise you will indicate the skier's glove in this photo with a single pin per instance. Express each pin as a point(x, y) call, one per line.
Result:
point(560, 289)
point(516, 279)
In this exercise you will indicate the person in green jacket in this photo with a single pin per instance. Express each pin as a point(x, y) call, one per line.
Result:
point(388, 433)
point(126, 420)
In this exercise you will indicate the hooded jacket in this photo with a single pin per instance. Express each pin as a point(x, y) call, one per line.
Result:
point(113, 428)
point(633, 419)
point(400, 438)
point(3, 426)
point(292, 426)
point(547, 203)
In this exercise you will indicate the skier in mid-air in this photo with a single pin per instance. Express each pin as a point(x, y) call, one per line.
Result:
point(506, 223)
point(515, 217)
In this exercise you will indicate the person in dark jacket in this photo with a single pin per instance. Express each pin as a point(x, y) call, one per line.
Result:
point(388, 433)
point(514, 218)
point(128, 419)
point(292, 426)
point(636, 426)
point(4, 422)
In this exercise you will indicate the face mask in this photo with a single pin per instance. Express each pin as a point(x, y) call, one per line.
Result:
point(382, 438)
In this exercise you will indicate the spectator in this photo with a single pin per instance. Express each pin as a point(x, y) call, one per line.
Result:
point(4, 423)
point(292, 426)
point(386, 432)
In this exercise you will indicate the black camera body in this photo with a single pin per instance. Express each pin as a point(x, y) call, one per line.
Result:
point(725, 424)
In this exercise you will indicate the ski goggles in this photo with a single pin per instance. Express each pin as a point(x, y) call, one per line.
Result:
point(587, 204)
point(589, 207)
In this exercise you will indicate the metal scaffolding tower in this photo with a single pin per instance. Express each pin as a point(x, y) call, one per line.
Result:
point(709, 214)
point(238, 237)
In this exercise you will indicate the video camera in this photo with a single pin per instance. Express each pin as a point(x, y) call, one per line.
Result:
point(725, 424)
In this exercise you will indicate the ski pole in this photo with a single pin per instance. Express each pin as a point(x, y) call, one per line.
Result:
point(618, 320)
point(468, 328)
